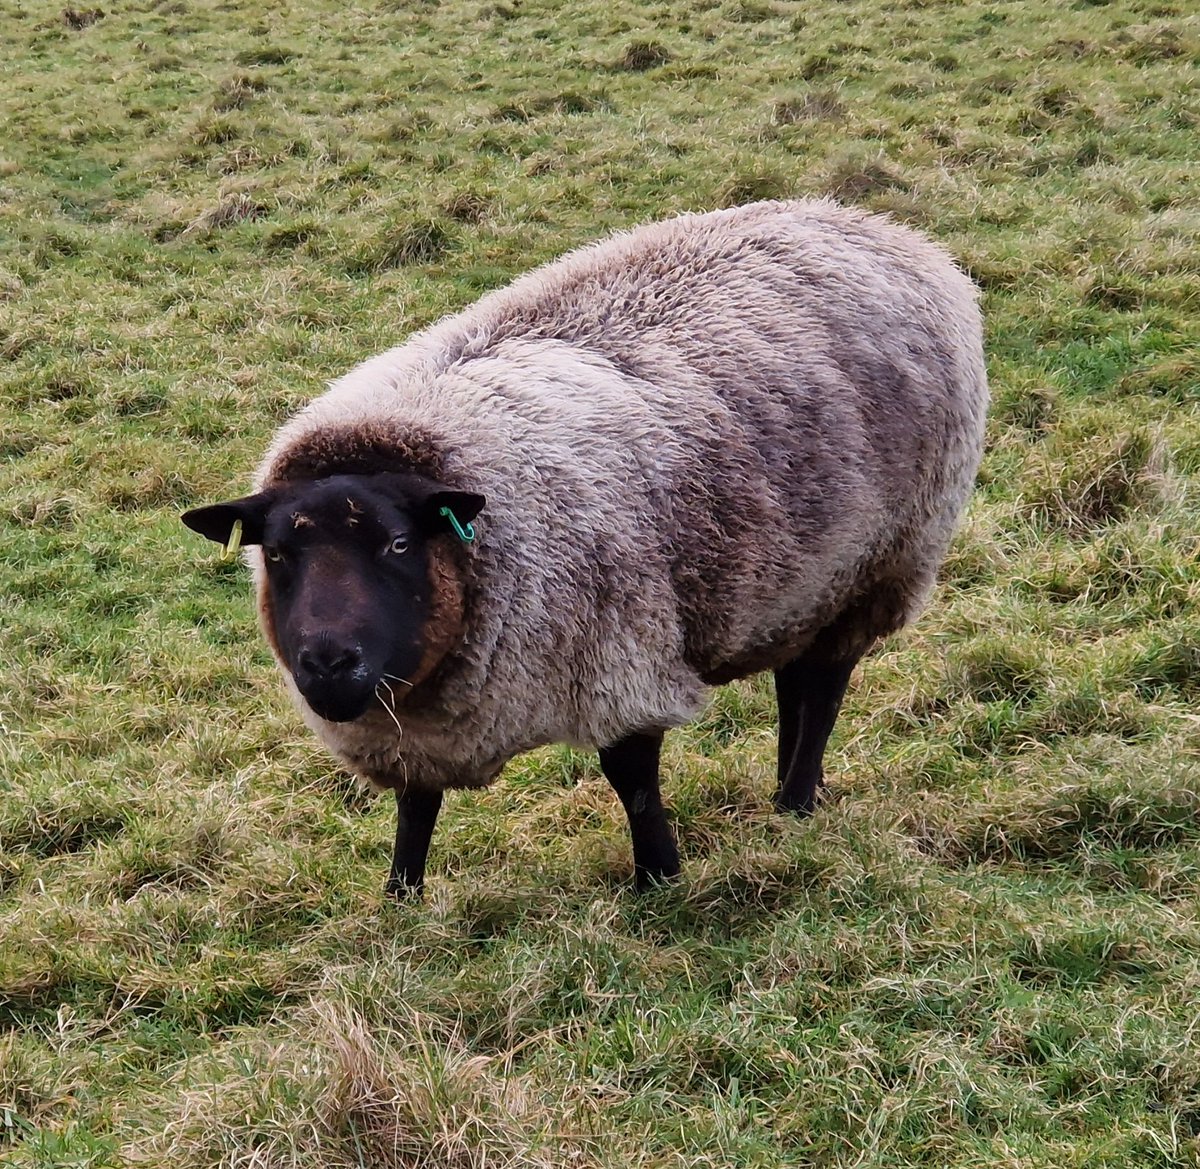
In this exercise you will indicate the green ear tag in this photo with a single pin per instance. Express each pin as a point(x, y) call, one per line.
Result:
point(235, 541)
point(467, 534)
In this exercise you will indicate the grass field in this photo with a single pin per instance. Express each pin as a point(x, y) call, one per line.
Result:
point(984, 950)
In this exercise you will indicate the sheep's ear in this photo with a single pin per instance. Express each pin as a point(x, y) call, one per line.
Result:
point(434, 506)
point(216, 522)
point(451, 511)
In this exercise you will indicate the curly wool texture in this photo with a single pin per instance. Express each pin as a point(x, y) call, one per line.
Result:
point(702, 442)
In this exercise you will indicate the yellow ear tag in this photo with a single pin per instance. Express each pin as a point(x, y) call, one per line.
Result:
point(235, 541)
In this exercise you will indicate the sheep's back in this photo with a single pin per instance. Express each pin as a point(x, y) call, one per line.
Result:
point(817, 381)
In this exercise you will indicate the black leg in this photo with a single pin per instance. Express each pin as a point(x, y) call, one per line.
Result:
point(416, 814)
point(810, 691)
point(631, 766)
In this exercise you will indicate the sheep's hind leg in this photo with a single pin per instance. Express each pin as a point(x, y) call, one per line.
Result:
point(631, 766)
point(809, 690)
point(416, 814)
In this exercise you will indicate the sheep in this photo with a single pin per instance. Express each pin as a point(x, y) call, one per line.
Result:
point(714, 445)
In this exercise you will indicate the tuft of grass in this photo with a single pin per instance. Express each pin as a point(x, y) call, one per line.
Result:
point(642, 55)
point(817, 106)
point(751, 186)
point(416, 243)
point(467, 207)
point(239, 207)
point(236, 91)
point(344, 1089)
point(1102, 479)
point(855, 179)
point(80, 18)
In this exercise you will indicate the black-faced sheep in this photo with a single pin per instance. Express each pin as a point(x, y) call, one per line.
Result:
point(711, 446)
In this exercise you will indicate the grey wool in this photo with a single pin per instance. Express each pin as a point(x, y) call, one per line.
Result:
point(704, 443)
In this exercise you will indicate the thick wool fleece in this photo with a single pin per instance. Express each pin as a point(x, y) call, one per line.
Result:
point(702, 442)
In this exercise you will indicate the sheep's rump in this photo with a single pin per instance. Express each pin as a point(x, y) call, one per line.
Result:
point(701, 442)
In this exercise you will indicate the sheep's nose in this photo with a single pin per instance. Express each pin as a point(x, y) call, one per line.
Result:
point(327, 660)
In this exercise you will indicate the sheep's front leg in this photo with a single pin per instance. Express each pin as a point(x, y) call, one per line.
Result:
point(416, 814)
point(631, 766)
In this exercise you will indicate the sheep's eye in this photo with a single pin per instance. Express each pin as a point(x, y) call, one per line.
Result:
point(398, 546)
point(273, 554)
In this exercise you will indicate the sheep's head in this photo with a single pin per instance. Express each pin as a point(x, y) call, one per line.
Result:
point(351, 568)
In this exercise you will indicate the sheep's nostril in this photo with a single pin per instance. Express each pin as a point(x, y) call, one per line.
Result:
point(328, 661)
point(343, 662)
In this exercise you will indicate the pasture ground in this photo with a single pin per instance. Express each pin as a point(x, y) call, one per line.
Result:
point(984, 950)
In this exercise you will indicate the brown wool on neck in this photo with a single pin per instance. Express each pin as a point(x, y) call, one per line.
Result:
point(444, 625)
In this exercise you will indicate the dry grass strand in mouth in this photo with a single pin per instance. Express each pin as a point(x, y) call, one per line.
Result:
point(389, 704)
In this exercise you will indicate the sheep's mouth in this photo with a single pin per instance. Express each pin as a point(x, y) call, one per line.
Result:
point(337, 704)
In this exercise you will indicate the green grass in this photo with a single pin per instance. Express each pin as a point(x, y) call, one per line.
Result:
point(984, 950)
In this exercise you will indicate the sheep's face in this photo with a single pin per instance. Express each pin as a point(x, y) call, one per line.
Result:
point(348, 589)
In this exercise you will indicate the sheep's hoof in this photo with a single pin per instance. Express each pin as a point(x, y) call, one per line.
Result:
point(648, 880)
point(801, 799)
point(399, 891)
point(797, 806)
